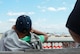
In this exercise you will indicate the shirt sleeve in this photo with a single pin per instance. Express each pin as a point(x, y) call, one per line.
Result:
point(42, 38)
point(27, 38)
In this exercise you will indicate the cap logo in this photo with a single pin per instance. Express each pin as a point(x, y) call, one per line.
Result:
point(27, 22)
point(20, 22)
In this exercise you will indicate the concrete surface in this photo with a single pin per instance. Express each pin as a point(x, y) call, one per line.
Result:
point(46, 51)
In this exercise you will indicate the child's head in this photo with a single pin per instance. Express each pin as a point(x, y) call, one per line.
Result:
point(23, 24)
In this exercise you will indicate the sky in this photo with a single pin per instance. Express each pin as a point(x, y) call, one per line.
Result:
point(46, 15)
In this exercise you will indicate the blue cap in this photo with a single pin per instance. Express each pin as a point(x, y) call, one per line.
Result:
point(23, 24)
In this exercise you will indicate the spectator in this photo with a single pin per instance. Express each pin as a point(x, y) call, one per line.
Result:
point(14, 39)
point(73, 23)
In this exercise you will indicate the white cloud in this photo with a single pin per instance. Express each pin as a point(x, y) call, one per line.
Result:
point(19, 13)
point(44, 9)
point(15, 13)
point(61, 9)
point(31, 13)
point(39, 24)
point(4, 26)
point(56, 28)
point(56, 9)
point(51, 9)
point(39, 21)
point(12, 20)
point(43, 26)
point(41, 7)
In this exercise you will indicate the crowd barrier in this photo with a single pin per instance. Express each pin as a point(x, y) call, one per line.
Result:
point(59, 44)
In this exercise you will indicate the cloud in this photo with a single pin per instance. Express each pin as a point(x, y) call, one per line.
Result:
point(41, 7)
point(4, 26)
point(51, 9)
point(19, 13)
point(43, 26)
point(31, 13)
point(44, 9)
point(12, 20)
point(41, 21)
point(56, 9)
point(61, 9)
point(58, 28)
point(38, 24)
point(15, 13)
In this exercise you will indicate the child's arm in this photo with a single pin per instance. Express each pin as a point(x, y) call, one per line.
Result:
point(40, 33)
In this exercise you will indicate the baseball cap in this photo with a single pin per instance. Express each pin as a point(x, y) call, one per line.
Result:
point(23, 24)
